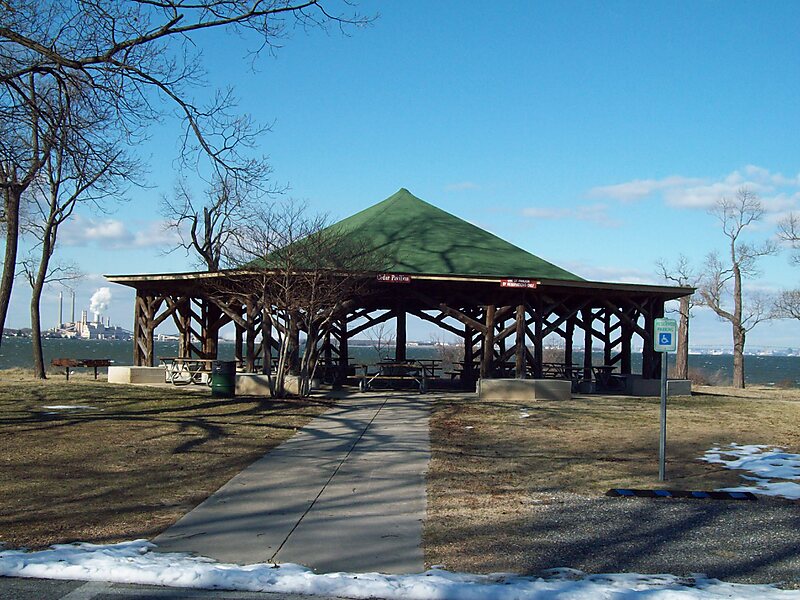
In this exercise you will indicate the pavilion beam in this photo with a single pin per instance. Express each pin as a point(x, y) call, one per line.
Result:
point(438, 321)
point(371, 321)
point(451, 312)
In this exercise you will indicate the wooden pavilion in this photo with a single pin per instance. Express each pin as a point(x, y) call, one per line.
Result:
point(499, 299)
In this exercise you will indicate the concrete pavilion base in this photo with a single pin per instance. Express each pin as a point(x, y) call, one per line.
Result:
point(255, 384)
point(524, 389)
point(135, 374)
point(636, 386)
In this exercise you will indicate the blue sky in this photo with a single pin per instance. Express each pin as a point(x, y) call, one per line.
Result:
point(595, 135)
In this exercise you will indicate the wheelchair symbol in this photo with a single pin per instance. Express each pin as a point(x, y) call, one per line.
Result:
point(664, 339)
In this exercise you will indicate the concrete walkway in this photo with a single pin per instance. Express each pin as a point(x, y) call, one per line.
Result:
point(346, 493)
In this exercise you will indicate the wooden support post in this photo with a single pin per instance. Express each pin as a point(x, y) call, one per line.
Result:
point(648, 352)
point(658, 313)
point(293, 340)
point(468, 373)
point(185, 328)
point(568, 335)
point(625, 350)
point(344, 360)
point(519, 349)
point(587, 317)
point(400, 336)
point(538, 339)
point(238, 343)
point(139, 331)
point(210, 329)
point(487, 362)
point(606, 320)
point(251, 312)
point(266, 342)
point(327, 353)
point(143, 329)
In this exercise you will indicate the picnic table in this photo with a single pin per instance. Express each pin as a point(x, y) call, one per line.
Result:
point(73, 363)
point(179, 370)
point(418, 371)
point(606, 380)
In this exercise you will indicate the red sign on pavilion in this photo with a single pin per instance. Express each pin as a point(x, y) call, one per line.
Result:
point(518, 283)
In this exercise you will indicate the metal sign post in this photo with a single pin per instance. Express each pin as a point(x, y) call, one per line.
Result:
point(665, 333)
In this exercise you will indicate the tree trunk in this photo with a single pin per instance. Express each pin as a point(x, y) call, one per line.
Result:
point(738, 357)
point(682, 356)
point(12, 200)
point(36, 328)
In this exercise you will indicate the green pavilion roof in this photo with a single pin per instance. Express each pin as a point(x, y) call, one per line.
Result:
point(419, 238)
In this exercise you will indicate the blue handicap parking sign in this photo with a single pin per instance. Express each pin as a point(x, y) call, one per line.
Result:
point(665, 339)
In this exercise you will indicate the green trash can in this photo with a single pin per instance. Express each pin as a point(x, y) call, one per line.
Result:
point(223, 379)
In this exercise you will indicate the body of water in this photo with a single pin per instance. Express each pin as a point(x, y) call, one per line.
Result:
point(16, 352)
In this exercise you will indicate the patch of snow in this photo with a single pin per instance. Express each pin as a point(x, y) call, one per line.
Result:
point(469, 427)
point(524, 415)
point(765, 463)
point(69, 407)
point(135, 562)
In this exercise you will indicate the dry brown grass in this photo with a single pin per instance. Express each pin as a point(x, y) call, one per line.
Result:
point(129, 466)
point(491, 468)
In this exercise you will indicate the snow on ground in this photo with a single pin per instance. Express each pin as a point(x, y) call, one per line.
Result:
point(135, 562)
point(766, 463)
point(68, 407)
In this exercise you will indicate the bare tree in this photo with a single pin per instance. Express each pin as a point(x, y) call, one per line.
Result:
point(137, 59)
point(307, 275)
point(205, 228)
point(84, 166)
point(722, 281)
point(450, 354)
point(682, 274)
point(382, 338)
point(789, 232)
point(787, 305)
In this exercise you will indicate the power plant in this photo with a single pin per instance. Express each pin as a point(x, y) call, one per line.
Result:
point(85, 329)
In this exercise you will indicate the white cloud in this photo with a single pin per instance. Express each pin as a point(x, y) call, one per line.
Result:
point(778, 192)
point(593, 213)
point(114, 234)
point(640, 188)
point(613, 274)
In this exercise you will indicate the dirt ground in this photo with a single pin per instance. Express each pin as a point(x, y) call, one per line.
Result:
point(129, 464)
point(509, 481)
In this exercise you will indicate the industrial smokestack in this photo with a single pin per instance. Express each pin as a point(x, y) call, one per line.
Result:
point(73, 307)
point(84, 316)
point(108, 322)
point(60, 310)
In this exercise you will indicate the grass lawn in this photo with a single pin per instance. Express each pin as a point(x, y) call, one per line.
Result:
point(491, 466)
point(130, 465)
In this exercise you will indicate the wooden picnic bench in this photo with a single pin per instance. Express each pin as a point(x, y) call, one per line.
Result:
point(387, 371)
point(75, 363)
point(179, 370)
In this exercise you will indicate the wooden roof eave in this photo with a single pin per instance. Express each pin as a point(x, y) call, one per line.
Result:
point(141, 281)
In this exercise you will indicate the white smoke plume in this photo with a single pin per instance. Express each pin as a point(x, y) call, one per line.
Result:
point(100, 300)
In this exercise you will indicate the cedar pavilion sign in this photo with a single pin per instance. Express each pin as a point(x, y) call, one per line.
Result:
point(501, 300)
